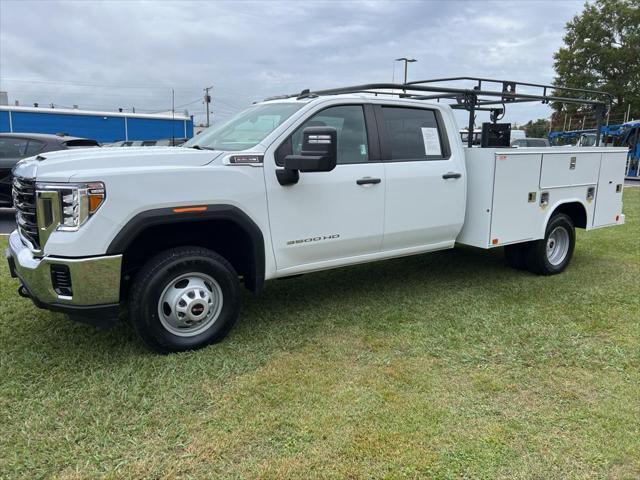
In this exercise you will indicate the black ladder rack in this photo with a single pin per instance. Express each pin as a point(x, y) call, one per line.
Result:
point(476, 98)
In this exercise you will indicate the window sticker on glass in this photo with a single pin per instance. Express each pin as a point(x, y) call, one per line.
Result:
point(363, 149)
point(431, 141)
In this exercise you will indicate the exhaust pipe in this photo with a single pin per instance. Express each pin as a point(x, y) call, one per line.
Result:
point(23, 292)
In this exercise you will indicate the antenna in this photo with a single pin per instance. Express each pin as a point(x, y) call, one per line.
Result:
point(173, 117)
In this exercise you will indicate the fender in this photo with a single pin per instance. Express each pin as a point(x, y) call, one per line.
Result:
point(164, 216)
point(559, 204)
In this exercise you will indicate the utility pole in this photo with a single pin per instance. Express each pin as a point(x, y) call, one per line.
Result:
point(628, 115)
point(207, 101)
point(406, 61)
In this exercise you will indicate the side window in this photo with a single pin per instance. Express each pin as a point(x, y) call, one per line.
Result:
point(33, 147)
point(349, 122)
point(414, 134)
point(11, 147)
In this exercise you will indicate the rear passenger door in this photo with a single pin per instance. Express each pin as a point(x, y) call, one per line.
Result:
point(425, 186)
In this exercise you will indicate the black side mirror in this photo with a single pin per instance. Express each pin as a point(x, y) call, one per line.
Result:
point(319, 154)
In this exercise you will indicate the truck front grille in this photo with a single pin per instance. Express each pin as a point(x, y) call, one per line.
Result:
point(24, 201)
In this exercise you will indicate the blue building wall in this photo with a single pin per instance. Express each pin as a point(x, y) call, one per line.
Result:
point(103, 128)
point(4, 121)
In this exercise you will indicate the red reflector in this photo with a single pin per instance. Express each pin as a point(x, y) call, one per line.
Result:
point(189, 209)
point(494, 241)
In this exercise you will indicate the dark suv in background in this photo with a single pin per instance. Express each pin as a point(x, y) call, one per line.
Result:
point(16, 146)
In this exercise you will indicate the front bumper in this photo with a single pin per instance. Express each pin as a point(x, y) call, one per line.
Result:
point(95, 282)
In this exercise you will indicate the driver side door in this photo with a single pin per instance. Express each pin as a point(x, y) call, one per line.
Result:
point(331, 218)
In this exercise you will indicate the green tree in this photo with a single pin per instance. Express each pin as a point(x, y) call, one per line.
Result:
point(602, 52)
point(536, 129)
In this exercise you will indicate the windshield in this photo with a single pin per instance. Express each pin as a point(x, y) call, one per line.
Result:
point(246, 129)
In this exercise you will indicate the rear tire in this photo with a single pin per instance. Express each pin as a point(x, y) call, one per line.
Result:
point(183, 299)
point(552, 254)
point(516, 255)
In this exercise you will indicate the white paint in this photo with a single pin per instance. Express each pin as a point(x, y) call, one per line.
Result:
point(326, 220)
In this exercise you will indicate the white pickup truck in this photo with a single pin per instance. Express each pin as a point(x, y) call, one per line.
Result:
point(289, 186)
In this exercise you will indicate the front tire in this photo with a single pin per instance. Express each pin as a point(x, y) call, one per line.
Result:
point(183, 299)
point(552, 254)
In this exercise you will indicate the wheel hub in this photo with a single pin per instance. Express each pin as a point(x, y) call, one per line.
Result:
point(189, 304)
point(558, 245)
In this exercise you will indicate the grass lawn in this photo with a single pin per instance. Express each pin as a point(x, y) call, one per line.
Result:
point(445, 365)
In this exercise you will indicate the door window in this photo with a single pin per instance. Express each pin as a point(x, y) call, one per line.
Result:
point(11, 147)
point(348, 120)
point(34, 147)
point(414, 134)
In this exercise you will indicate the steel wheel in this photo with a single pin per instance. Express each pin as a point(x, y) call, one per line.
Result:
point(558, 245)
point(190, 304)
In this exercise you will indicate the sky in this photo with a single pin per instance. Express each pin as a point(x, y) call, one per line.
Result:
point(111, 54)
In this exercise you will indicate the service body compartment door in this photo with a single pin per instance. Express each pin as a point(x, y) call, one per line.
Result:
point(609, 193)
point(569, 169)
point(516, 198)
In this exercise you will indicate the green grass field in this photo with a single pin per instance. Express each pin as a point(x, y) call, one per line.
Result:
point(448, 365)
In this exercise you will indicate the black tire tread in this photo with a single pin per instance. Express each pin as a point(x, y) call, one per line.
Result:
point(536, 255)
point(147, 273)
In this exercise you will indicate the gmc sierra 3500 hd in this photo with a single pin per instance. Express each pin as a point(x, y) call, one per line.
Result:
point(296, 184)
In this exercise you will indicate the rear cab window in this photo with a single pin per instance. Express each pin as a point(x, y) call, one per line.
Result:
point(414, 134)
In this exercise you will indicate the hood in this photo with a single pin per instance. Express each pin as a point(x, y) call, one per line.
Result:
point(61, 165)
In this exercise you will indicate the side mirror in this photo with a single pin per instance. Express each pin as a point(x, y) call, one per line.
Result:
point(319, 154)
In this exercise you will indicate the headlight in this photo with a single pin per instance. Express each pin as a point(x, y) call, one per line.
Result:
point(71, 203)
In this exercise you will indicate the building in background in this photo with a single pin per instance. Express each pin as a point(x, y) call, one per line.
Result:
point(100, 126)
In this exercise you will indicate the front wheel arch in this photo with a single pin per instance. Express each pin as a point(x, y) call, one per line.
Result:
point(222, 228)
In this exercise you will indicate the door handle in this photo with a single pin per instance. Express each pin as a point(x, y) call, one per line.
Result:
point(368, 181)
point(451, 175)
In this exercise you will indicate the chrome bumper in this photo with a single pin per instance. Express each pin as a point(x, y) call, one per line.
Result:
point(95, 281)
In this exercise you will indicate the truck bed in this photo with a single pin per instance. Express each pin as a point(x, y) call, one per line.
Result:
point(505, 188)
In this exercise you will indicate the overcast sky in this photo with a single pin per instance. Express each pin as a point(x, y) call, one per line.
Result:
point(110, 54)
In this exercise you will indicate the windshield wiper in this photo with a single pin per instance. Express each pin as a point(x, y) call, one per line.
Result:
point(198, 147)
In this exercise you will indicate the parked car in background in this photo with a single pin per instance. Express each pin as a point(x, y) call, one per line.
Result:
point(530, 142)
point(518, 134)
point(165, 142)
point(16, 146)
point(171, 142)
point(477, 135)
